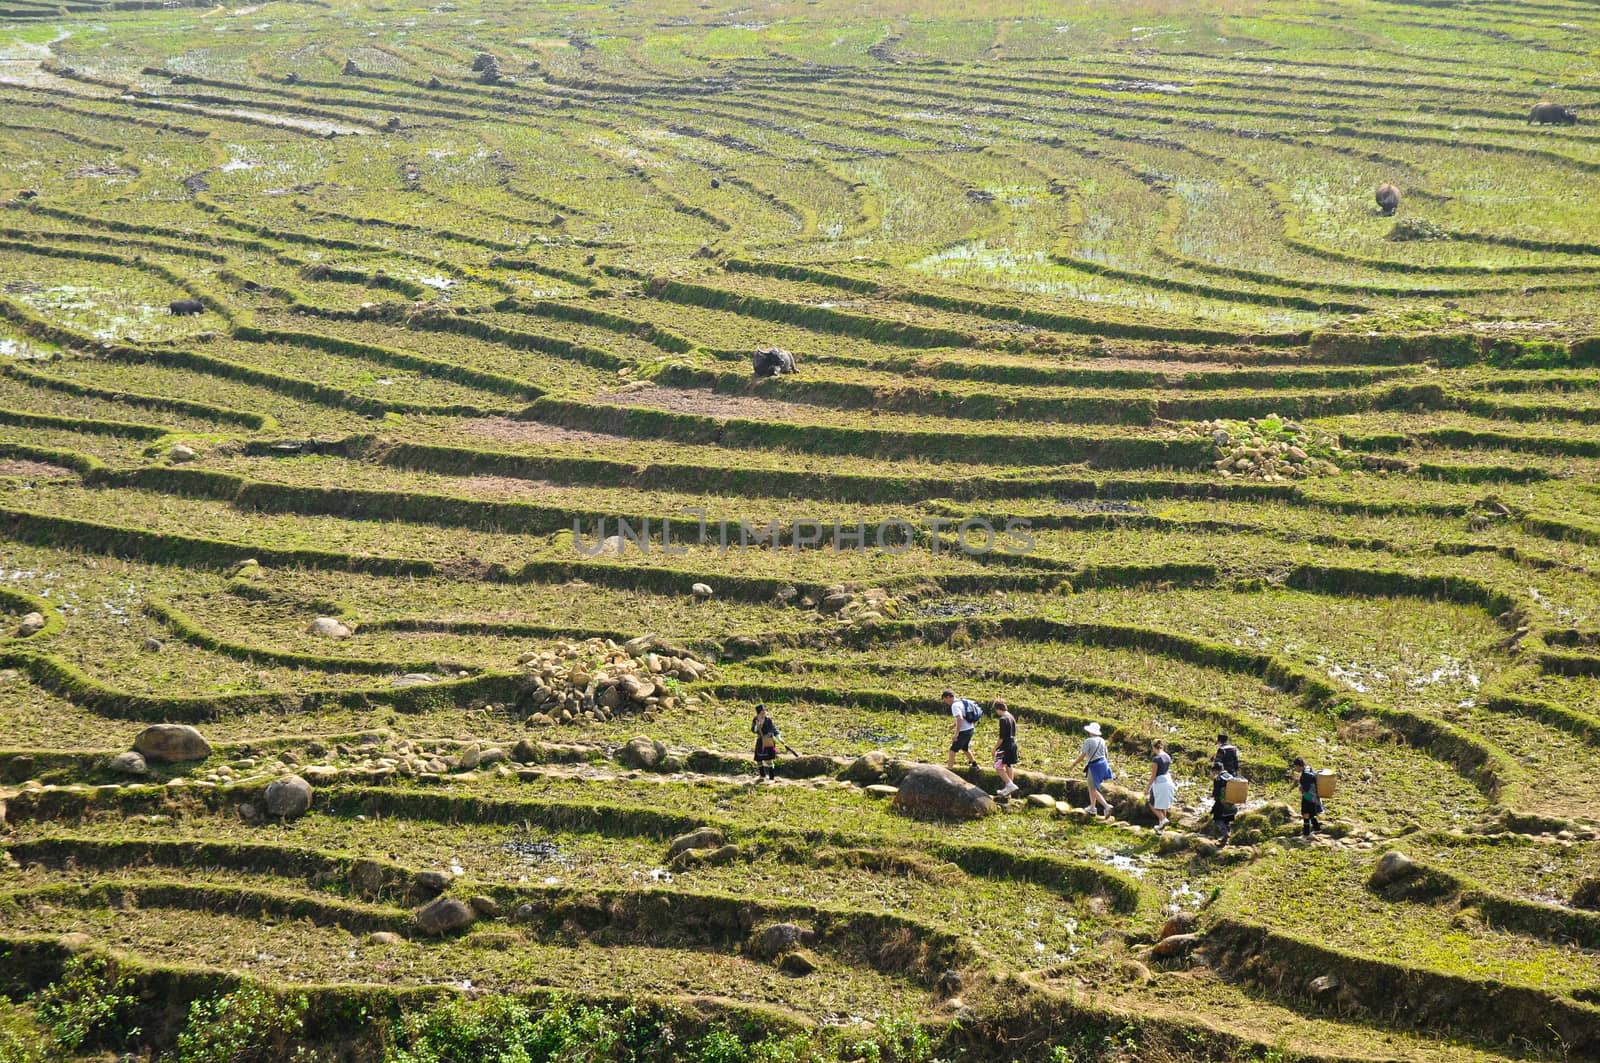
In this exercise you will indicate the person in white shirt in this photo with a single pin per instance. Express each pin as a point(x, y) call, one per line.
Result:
point(1097, 769)
point(961, 739)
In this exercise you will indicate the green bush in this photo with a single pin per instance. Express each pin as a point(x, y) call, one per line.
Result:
point(248, 1025)
point(505, 1030)
point(87, 1005)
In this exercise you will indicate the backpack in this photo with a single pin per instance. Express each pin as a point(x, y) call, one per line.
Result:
point(970, 710)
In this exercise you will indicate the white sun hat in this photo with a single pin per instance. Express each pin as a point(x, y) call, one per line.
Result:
point(1092, 728)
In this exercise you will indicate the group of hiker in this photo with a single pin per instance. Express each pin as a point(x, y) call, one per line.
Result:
point(1160, 788)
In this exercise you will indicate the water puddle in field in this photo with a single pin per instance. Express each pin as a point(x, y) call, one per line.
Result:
point(22, 64)
point(289, 122)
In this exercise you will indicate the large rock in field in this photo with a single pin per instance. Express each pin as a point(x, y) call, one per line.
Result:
point(1394, 866)
point(328, 627)
point(31, 624)
point(932, 791)
point(171, 743)
point(288, 797)
point(867, 769)
point(641, 752)
point(445, 915)
point(770, 942)
point(704, 838)
point(1587, 895)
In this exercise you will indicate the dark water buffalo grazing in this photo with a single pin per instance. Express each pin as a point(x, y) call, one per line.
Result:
point(27, 193)
point(1388, 197)
point(186, 307)
point(1552, 114)
point(716, 182)
point(772, 361)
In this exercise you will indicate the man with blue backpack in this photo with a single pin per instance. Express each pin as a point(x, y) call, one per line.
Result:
point(965, 713)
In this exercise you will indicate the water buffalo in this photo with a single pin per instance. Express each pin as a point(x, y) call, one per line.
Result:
point(1388, 197)
point(772, 361)
point(186, 307)
point(1552, 114)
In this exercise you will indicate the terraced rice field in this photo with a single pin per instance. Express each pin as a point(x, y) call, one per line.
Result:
point(475, 281)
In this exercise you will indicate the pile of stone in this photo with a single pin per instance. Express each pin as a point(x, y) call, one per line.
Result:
point(849, 604)
point(1270, 448)
point(487, 67)
point(596, 679)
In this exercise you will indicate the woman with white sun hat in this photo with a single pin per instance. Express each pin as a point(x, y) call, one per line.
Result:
point(1098, 769)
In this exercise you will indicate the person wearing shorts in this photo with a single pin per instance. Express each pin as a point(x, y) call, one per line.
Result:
point(1097, 769)
point(961, 740)
point(1005, 750)
point(1162, 788)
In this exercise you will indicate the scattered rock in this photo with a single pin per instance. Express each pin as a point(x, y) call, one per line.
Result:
point(182, 453)
point(444, 915)
point(526, 751)
point(430, 883)
point(152, 646)
point(410, 679)
point(1323, 984)
point(288, 797)
point(1042, 801)
point(329, 628)
point(171, 743)
point(1393, 866)
point(798, 963)
point(770, 942)
point(367, 878)
point(129, 763)
point(31, 624)
point(704, 838)
point(1182, 923)
point(1587, 895)
point(487, 907)
point(384, 938)
point(701, 591)
point(950, 984)
point(1176, 945)
point(934, 791)
point(725, 854)
point(1135, 972)
point(880, 790)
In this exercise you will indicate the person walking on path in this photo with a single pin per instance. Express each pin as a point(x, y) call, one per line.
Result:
point(1005, 750)
point(964, 712)
point(1222, 811)
point(767, 739)
point(1162, 788)
point(1227, 754)
point(1097, 767)
point(1310, 800)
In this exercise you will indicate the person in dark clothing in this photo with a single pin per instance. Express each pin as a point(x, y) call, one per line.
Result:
point(1227, 755)
point(1310, 800)
point(1005, 750)
point(767, 740)
point(1222, 812)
